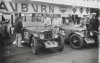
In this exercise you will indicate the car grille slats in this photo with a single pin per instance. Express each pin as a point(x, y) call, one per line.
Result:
point(48, 34)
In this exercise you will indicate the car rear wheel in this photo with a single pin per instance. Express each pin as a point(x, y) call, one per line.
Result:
point(34, 45)
point(76, 41)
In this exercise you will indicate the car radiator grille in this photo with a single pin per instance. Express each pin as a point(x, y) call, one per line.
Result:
point(48, 35)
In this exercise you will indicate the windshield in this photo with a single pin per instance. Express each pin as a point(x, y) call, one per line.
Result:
point(34, 20)
point(74, 21)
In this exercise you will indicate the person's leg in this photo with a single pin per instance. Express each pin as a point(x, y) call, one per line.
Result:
point(16, 39)
point(53, 31)
point(19, 40)
point(96, 39)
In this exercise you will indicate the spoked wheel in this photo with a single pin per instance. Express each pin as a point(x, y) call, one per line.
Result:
point(76, 41)
point(34, 45)
point(61, 43)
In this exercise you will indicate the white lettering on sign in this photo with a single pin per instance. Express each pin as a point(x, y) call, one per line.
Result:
point(31, 8)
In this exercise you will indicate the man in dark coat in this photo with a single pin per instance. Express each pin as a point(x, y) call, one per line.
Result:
point(18, 31)
point(93, 23)
point(93, 26)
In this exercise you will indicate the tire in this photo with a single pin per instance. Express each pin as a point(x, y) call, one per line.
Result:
point(34, 45)
point(61, 43)
point(76, 41)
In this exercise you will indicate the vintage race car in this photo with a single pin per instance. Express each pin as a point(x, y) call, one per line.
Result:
point(39, 36)
point(77, 36)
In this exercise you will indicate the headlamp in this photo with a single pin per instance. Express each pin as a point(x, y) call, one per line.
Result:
point(41, 36)
point(62, 32)
point(91, 33)
point(55, 35)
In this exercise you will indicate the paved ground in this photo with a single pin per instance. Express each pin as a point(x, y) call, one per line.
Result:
point(83, 56)
point(13, 54)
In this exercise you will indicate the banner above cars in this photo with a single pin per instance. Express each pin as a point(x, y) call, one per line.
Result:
point(23, 7)
point(41, 8)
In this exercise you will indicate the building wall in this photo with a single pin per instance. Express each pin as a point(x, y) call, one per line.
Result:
point(83, 3)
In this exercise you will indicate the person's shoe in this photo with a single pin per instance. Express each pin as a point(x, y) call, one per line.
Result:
point(14, 42)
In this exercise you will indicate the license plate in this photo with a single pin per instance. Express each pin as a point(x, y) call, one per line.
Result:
point(89, 40)
point(51, 44)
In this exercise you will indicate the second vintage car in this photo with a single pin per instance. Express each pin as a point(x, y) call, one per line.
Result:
point(78, 36)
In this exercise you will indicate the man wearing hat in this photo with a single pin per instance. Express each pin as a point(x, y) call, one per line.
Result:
point(18, 31)
point(94, 25)
point(93, 22)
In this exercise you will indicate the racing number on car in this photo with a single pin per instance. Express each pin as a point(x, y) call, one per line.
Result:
point(26, 35)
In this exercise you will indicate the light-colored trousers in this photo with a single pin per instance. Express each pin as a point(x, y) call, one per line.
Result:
point(18, 39)
point(55, 31)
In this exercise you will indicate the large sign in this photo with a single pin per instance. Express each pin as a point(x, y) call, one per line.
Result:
point(41, 8)
point(23, 7)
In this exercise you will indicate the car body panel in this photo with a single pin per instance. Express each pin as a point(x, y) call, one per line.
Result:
point(76, 29)
point(35, 28)
point(70, 30)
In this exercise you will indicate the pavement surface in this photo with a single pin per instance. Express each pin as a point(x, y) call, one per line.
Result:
point(72, 57)
point(13, 54)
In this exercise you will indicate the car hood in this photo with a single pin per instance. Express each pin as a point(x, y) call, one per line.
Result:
point(75, 27)
point(34, 26)
point(36, 29)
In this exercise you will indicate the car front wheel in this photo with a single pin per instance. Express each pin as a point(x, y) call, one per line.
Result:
point(76, 41)
point(34, 45)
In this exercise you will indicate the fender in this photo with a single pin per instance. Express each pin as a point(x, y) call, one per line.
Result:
point(79, 33)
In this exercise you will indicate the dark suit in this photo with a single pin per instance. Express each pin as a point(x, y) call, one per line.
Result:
point(18, 31)
point(18, 27)
point(93, 24)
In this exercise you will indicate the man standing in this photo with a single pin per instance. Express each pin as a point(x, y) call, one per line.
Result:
point(18, 30)
point(93, 23)
point(47, 21)
point(93, 26)
point(56, 23)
